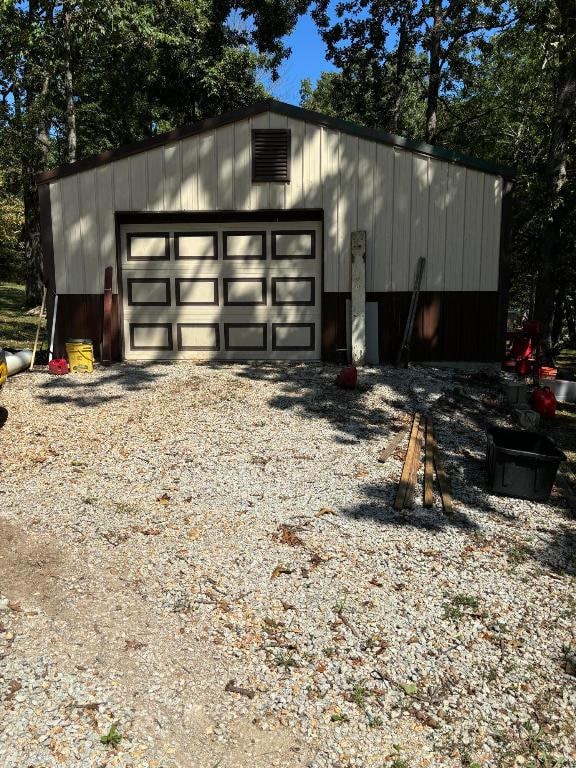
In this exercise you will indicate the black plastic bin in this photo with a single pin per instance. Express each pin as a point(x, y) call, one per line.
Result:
point(522, 464)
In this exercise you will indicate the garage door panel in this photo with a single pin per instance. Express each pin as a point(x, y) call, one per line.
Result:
point(244, 291)
point(196, 246)
point(245, 337)
point(292, 337)
point(293, 291)
point(198, 337)
point(293, 244)
point(244, 245)
point(155, 337)
point(148, 292)
point(197, 291)
point(148, 246)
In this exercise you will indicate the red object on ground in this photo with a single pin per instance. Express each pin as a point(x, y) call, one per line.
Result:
point(348, 377)
point(58, 367)
point(543, 402)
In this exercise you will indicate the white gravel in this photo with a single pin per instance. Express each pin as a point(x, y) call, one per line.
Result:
point(166, 529)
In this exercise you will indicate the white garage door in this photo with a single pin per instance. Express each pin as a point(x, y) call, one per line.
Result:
point(229, 291)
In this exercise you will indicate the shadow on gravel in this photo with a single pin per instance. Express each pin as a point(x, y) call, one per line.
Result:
point(560, 553)
point(381, 512)
point(310, 388)
point(86, 391)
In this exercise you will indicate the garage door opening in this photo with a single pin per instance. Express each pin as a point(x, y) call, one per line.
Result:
point(237, 290)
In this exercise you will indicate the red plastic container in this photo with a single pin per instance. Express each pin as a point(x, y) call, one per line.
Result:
point(521, 347)
point(347, 378)
point(543, 402)
point(58, 366)
point(524, 366)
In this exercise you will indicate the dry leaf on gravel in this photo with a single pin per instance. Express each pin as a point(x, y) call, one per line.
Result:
point(324, 511)
point(286, 535)
point(280, 569)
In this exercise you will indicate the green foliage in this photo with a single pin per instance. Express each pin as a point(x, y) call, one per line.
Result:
point(113, 737)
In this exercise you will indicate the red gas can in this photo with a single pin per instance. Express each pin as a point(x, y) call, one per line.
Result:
point(348, 377)
point(543, 402)
point(58, 366)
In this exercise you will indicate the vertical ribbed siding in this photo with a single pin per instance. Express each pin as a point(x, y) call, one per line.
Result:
point(410, 205)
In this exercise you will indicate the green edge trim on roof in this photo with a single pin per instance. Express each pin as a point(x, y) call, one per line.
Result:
point(287, 110)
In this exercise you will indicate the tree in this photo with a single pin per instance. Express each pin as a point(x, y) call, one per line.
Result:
point(390, 47)
point(80, 76)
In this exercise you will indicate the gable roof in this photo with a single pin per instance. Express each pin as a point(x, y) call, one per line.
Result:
point(279, 108)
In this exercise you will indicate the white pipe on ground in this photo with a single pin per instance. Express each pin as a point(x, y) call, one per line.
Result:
point(18, 361)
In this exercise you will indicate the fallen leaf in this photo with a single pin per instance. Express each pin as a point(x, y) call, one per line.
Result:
point(134, 645)
point(194, 533)
point(324, 511)
point(280, 569)
point(375, 583)
point(409, 689)
point(286, 535)
point(164, 499)
point(15, 607)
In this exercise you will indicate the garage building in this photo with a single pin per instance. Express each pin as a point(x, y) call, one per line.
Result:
point(230, 238)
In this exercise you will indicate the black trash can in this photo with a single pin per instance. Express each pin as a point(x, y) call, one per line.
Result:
point(522, 464)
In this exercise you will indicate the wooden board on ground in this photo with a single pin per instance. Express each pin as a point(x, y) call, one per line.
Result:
point(404, 483)
point(394, 443)
point(411, 490)
point(429, 464)
point(443, 482)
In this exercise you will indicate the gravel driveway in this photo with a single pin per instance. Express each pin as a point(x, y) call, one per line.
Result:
point(201, 564)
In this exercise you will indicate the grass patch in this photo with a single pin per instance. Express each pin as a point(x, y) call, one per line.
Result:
point(459, 606)
point(17, 329)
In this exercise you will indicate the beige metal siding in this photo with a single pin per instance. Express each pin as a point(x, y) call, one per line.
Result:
point(410, 205)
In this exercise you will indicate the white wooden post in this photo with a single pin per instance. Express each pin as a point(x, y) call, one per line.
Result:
point(358, 253)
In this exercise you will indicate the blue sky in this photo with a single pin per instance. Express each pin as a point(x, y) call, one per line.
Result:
point(308, 59)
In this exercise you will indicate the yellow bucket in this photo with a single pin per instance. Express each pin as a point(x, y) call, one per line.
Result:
point(80, 355)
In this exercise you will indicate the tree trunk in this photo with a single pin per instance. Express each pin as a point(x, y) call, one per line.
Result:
point(434, 68)
point(69, 88)
point(563, 117)
point(35, 145)
point(401, 66)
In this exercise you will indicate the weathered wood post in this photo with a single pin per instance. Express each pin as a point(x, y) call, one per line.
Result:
point(358, 324)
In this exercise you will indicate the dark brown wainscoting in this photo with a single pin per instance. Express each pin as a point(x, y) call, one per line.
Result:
point(449, 326)
point(80, 316)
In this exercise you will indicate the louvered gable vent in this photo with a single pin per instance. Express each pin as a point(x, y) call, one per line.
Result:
point(271, 155)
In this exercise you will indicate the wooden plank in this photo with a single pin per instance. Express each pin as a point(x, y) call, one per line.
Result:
point(394, 443)
point(411, 490)
point(406, 470)
point(429, 464)
point(107, 318)
point(443, 481)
